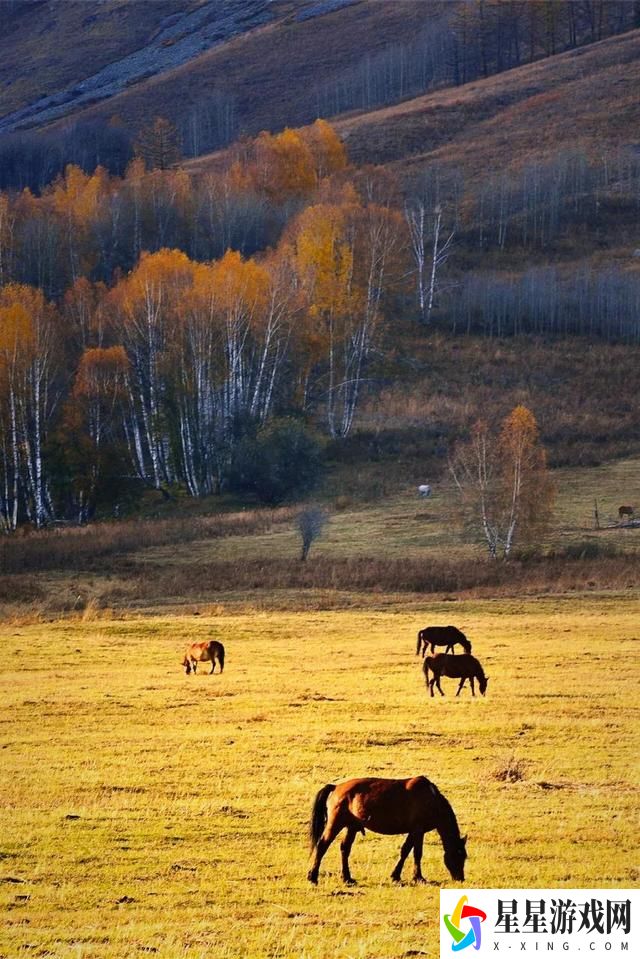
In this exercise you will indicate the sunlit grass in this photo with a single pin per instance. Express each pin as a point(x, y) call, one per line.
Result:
point(147, 812)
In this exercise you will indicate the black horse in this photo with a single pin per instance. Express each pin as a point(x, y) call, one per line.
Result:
point(457, 667)
point(446, 636)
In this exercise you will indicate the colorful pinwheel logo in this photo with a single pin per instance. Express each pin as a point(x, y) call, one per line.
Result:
point(472, 936)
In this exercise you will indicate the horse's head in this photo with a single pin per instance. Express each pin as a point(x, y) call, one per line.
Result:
point(187, 665)
point(483, 684)
point(455, 856)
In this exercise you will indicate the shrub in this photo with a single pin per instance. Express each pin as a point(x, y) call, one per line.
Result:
point(285, 459)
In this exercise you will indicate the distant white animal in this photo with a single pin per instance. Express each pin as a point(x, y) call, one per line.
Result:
point(424, 490)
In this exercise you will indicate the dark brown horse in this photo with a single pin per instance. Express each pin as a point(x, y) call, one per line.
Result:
point(210, 651)
point(456, 667)
point(391, 807)
point(446, 636)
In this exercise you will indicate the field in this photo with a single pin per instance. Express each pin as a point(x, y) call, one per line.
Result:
point(149, 813)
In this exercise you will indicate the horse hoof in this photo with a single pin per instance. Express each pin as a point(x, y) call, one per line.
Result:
point(396, 879)
point(420, 880)
point(350, 882)
point(312, 879)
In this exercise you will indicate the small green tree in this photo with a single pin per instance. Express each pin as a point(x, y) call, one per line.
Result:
point(284, 460)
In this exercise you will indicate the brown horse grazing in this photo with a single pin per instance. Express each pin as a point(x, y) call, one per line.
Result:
point(390, 807)
point(210, 651)
point(457, 667)
point(446, 636)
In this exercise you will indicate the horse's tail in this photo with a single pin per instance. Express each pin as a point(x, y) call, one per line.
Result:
point(319, 813)
point(419, 643)
point(426, 666)
point(221, 656)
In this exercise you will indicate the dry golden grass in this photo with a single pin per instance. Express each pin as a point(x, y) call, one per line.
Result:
point(397, 549)
point(144, 812)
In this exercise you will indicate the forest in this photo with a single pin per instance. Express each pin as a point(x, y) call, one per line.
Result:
point(155, 324)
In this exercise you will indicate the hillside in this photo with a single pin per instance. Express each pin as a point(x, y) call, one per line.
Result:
point(583, 98)
point(183, 51)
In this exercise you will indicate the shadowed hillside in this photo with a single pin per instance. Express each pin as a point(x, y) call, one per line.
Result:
point(583, 98)
point(124, 62)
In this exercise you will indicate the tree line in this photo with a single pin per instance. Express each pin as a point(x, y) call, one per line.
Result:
point(470, 40)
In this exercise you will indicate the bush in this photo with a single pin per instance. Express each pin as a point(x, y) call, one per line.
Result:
point(284, 460)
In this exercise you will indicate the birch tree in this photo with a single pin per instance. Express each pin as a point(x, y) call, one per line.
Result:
point(342, 252)
point(430, 249)
point(29, 351)
point(504, 483)
point(146, 306)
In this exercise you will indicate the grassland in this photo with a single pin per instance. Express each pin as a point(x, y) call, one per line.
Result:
point(394, 549)
point(147, 813)
point(144, 812)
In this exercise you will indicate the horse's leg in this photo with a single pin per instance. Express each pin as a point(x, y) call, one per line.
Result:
point(439, 686)
point(460, 686)
point(331, 830)
point(430, 683)
point(473, 691)
point(407, 845)
point(345, 849)
point(417, 858)
point(213, 665)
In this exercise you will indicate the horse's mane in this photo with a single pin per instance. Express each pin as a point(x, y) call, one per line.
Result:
point(450, 826)
point(481, 675)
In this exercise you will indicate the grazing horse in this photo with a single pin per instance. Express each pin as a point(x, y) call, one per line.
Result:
point(625, 511)
point(441, 636)
point(391, 807)
point(456, 667)
point(210, 651)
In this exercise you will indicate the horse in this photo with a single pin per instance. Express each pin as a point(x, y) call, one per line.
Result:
point(441, 636)
point(424, 490)
point(390, 807)
point(625, 511)
point(456, 667)
point(210, 651)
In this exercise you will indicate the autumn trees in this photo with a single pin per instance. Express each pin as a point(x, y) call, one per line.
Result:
point(342, 252)
point(503, 481)
point(29, 362)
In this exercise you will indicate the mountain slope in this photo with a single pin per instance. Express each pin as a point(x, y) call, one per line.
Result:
point(585, 98)
point(120, 40)
point(268, 54)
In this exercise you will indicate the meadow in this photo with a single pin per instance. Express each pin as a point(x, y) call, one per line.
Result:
point(145, 812)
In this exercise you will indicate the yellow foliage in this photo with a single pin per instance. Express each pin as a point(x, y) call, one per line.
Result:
point(285, 164)
point(99, 367)
point(21, 307)
point(326, 147)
